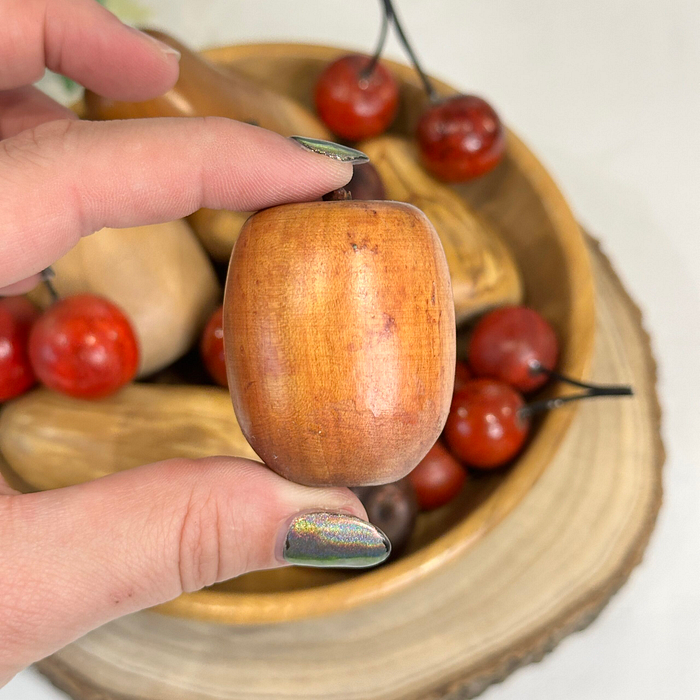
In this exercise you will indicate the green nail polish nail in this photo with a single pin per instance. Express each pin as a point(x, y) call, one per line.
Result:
point(334, 540)
point(344, 154)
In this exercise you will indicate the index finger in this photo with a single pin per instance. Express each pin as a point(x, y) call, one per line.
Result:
point(66, 179)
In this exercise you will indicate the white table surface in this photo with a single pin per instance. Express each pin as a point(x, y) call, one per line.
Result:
point(607, 93)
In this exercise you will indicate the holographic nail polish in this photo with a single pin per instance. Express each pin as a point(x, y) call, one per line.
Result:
point(336, 151)
point(334, 540)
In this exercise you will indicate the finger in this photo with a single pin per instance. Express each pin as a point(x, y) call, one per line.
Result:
point(26, 107)
point(21, 287)
point(5, 490)
point(84, 41)
point(66, 179)
point(76, 558)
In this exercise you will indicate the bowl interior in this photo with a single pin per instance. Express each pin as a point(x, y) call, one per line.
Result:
point(527, 208)
point(524, 204)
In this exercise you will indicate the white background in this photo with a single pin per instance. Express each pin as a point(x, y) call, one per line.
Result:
point(607, 93)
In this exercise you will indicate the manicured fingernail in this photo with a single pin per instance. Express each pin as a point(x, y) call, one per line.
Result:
point(334, 540)
point(165, 48)
point(48, 274)
point(336, 151)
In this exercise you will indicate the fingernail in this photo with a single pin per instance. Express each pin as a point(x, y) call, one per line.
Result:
point(165, 48)
point(334, 540)
point(336, 151)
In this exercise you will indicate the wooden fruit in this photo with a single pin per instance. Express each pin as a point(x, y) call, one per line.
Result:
point(207, 90)
point(218, 230)
point(158, 275)
point(340, 339)
point(482, 267)
point(83, 440)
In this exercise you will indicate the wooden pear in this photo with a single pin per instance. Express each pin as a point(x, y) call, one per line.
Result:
point(82, 440)
point(158, 275)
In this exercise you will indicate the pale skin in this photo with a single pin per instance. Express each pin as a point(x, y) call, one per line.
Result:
point(75, 558)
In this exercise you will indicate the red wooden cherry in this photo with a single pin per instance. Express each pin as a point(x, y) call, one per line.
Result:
point(462, 375)
point(84, 346)
point(460, 138)
point(355, 105)
point(21, 309)
point(212, 347)
point(508, 342)
point(16, 317)
point(437, 479)
point(485, 427)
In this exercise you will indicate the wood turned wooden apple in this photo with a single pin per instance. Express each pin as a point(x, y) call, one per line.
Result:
point(340, 339)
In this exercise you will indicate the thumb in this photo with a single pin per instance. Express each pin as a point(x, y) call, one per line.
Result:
point(78, 557)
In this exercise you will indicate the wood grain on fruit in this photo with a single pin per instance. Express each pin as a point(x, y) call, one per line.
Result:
point(205, 89)
point(83, 440)
point(483, 270)
point(158, 275)
point(340, 339)
point(546, 571)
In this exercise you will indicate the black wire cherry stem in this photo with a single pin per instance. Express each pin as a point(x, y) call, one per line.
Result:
point(390, 13)
point(47, 275)
point(591, 391)
point(386, 18)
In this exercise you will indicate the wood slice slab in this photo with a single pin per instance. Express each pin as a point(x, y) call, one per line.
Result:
point(544, 572)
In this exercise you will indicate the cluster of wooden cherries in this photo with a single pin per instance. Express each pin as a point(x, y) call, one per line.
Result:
point(82, 346)
point(460, 137)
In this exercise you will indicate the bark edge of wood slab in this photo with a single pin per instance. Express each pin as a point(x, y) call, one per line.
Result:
point(340, 339)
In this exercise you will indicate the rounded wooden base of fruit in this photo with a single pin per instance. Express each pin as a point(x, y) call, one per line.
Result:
point(546, 571)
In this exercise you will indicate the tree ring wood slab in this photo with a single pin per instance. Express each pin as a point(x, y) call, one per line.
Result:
point(545, 571)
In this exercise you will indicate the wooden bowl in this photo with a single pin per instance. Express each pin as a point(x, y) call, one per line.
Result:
point(525, 205)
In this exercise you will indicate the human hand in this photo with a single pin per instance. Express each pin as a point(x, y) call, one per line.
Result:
point(75, 558)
